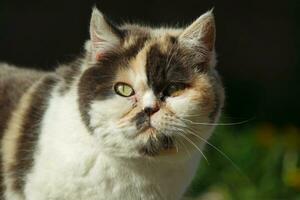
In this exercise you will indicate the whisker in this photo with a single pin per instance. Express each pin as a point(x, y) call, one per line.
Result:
point(191, 142)
point(186, 149)
point(168, 56)
point(176, 147)
point(216, 124)
point(194, 115)
point(192, 132)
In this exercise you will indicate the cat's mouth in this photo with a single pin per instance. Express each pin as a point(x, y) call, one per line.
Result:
point(158, 144)
point(148, 129)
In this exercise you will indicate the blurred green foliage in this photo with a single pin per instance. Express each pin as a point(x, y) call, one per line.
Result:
point(267, 155)
point(267, 164)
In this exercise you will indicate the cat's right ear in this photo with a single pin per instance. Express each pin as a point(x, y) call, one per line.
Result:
point(201, 32)
point(104, 36)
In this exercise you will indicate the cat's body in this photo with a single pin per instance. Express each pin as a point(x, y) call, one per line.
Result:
point(67, 135)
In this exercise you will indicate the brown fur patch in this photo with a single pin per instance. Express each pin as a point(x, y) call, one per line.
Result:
point(164, 68)
point(209, 93)
point(13, 84)
point(205, 93)
point(30, 129)
point(157, 144)
point(97, 82)
point(68, 73)
point(159, 55)
point(23, 132)
point(219, 97)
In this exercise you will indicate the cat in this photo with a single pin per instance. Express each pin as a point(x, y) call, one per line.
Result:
point(127, 120)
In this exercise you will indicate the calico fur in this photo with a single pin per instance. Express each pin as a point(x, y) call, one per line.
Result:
point(68, 135)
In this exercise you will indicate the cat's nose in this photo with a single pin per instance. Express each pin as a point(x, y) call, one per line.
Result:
point(150, 103)
point(151, 110)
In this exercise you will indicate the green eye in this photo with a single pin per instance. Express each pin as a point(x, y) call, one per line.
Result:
point(174, 89)
point(124, 89)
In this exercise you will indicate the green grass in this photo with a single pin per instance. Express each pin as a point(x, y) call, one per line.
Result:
point(267, 159)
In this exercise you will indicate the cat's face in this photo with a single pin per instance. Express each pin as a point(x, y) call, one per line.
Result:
point(147, 91)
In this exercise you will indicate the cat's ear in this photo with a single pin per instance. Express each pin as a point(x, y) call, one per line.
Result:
point(201, 32)
point(104, 36)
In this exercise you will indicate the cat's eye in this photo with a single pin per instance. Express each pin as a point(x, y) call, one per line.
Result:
point(174, 89)
point(123, 89)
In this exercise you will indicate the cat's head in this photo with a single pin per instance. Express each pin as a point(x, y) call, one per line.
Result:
point(147, 91)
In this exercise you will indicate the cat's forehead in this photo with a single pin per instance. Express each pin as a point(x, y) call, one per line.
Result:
point(159, 60)
point(164, 38)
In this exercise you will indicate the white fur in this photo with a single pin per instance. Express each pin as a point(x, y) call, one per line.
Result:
point(74, 163)
point(149, 99)
point(70, 164)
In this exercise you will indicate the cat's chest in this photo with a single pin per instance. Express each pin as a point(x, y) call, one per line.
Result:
point(96, 182)
point(70, 165)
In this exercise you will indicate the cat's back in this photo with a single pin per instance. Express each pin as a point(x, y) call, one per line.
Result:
point(14, 82)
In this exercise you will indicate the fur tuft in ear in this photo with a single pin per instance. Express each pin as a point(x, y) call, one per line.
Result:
point(104, 36)
point(201, 32)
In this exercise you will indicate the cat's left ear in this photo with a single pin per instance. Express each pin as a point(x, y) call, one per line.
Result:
point(201, 32)
point(104, 36)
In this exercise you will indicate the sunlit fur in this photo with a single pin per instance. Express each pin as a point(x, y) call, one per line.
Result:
point(91, 143)
point(112, 120)
point(112, 123)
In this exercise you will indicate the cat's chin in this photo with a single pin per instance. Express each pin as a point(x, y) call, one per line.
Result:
point(171, 151)
point(149, 131)
point(157, 144)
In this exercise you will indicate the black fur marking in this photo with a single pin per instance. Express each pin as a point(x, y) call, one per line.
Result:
point(142, 120)
point(155, 146)
point(167, 142)
point(13, 85)
point(7, 106)
point(163, 69)
point(30, 130)
point(97, 83)
point(152, 148)
point(132, 51)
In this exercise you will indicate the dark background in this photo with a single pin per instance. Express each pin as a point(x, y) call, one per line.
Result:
point(257, 44)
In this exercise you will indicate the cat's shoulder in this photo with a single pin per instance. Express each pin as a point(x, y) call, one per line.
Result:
point(8, 71)
point(14, 82)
